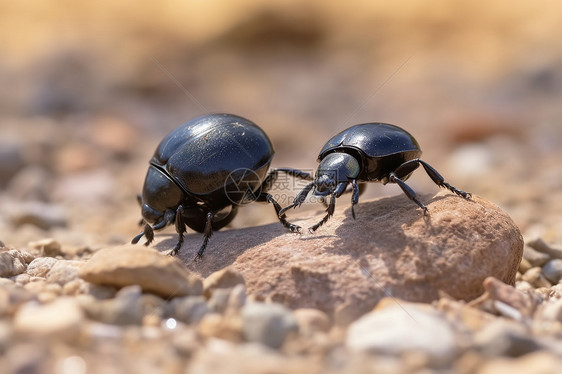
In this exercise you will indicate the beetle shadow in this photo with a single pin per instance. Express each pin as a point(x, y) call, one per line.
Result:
point(223, 248)
point(385, 233)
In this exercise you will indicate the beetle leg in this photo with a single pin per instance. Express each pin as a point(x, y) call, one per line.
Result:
point(434, 175)
point(208, 232)
point(354, 196)
point(440, 181)
point(180, 229)
point(274, 174)
point(338, 191)
point(266, 197)
point(408, 191)
point(360, 189)
point(299, 199)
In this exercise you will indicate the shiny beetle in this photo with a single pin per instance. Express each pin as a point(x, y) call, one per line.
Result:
point(203, 171)
point(369, 152)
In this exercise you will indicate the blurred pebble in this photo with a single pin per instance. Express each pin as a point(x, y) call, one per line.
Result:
point(12, 297)
point(74, 287)
point(523, 286)
point(32, 183)
point(218, 326)
point(22, 279)
point(524, 265)
point(534, 257)
point(120, 311)
point(219, 300)
point(267, 323)
point(75, 157)
point(60, 319)
point(187, 309)
point(237, 298)
point(534, 276)
point(185, 342)
point(541, 246)
point(522, 302)
point(99, 292)
point(11, 160)
point(556, 291)
point(224, 278)
point(312, 321)
point(64, 271)
point(114, 135)
point(552, 270)
point(473, 159)
point(404, 328)
point(90, 187)
point(41, 266)
point(12, 262)
point(49, 247)
point(43, 215)
point(26, 358)
point(537, 362)
point(550, 311)
point(503, 338)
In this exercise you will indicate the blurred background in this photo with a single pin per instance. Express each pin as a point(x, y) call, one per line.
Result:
point(90, 88)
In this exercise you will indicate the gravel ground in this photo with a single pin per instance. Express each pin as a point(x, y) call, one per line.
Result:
point(91, 89)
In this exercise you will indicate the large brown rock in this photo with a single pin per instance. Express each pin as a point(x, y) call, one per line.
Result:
point(137, 265)
point(392, 249)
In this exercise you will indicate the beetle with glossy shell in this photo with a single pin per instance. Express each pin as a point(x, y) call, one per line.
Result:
point(369, 152)
point(203, 171)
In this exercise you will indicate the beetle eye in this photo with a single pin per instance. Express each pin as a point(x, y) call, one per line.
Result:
point(149, 214)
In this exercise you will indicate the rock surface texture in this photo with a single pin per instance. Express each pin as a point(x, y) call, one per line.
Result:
point(392, 249)
point(136, 265)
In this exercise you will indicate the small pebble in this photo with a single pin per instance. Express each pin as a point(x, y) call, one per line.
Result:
point(218, 326)
point(541, 246)
point(402, 328)
point(552, 270)
point(22, 279)
point(524, 266)
point(503, 338)
point(41, 266)
point(64, 271)
point(218, 301)
point(61, 318)
point(534, 276)
point(534, 257)
point(48, 247)
point(188, 309)
point(237, 298)
point(118, 311)
point(225, 278)
point(268, 323)
point(43, 215)
point(12, 262)
point(550, 311)
point(312, 321)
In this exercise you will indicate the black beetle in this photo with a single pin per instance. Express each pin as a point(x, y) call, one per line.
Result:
point(369, 152)
point(203, 171)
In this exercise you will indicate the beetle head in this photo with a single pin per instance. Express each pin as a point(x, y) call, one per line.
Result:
point(335, 168)
point(159, 194)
